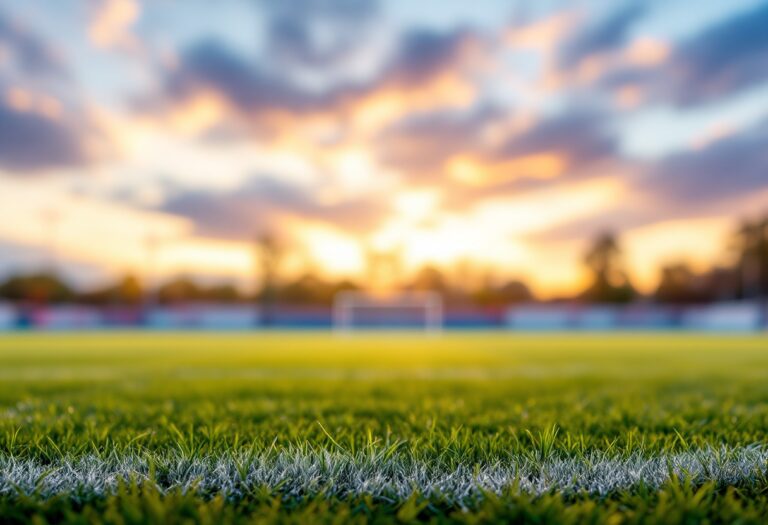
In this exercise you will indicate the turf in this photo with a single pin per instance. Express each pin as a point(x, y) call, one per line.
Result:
point(569, 428)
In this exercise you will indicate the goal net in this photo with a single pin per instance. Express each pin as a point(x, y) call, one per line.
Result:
point(407, 311)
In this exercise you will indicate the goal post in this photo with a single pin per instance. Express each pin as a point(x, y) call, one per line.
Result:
point(354, 310)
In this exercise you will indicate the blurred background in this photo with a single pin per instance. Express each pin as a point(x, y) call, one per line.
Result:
point(543, 165)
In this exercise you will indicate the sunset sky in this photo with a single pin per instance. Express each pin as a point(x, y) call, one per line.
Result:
point(502, 135)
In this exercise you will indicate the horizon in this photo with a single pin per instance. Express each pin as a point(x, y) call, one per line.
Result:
point(160, 139)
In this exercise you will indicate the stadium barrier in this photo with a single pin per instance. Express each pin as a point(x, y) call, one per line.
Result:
point(7, 316)
point(723, 317)
point(733, 316)
point(736, 317)
point(69, 318)
point(202, 317)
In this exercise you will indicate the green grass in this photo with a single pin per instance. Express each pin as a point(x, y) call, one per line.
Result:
point(385, 428)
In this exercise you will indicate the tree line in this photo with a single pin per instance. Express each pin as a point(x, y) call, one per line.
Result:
point(745, 278)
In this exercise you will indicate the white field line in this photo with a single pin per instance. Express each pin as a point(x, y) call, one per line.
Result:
point(296, 473)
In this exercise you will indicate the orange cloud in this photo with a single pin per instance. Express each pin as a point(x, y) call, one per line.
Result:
point(629, 96)
point(111, 23)
point(643, 52)
point(542, 35)
point(476, 172)
point(391, 102)
point(198, 113)
point(26, 101)
point(646, 52)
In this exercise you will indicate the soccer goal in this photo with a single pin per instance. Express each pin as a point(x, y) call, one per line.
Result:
point(406, 311)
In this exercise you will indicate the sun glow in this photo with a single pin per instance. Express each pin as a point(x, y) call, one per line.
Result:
point(335, 252)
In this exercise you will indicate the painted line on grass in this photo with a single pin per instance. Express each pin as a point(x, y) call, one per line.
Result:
point(301, 473)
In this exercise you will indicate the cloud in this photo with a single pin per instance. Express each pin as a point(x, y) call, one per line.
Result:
point(30, 54)
point(549, 153)
point(45, 123)
point(724, 59)
point(729, 168)
point(268, 203)
point(496, 149)
point(719, 177)
point(425, 71)
point(111, 21)
point(327, 32)
point(725, 177)
point(425, 54)
point(421, 144)
point(582, 137)
point(210, 67)
point(542, 35)
point(429, 71)
point(606, 35)
point(31, 142)
point(603, 55)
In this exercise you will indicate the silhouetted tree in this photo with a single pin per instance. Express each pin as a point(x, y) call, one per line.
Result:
point(609, 281)
point(179, 290)
point(722, 283)
point(307, 289)
point(429, 278)
point(512, 292)
point(127, 292)
point(515, 292)
point(185, 290)
point(680, 285)
point(223, 293)
point(268, 255)
point(752, 245)
point(310, 289)
point(36, 288)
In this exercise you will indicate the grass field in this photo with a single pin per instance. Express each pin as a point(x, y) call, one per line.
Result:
point(468, 428)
